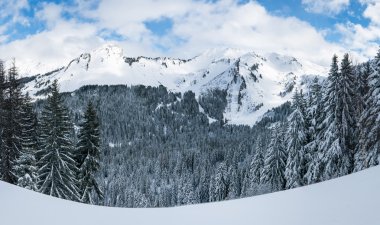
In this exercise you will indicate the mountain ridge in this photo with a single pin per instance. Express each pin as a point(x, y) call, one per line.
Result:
point(254, 83)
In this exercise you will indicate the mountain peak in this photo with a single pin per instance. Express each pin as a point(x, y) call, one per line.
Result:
point(223, 53)
point(253, 84)
point(108, 50)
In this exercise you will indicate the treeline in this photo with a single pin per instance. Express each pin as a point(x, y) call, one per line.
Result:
point(38, 151)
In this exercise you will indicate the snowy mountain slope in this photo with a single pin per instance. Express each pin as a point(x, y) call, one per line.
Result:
point(253, 83)
point(349, 200)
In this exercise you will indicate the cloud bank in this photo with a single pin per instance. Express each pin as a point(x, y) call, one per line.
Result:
point(70, 29)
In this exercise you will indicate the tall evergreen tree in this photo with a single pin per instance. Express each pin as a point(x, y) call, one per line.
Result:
point(369, 124)
point(257, 163)
point(338, 125)
point(88, 150)
point(362, 87)
point(256, 167)
point(315, 114)
point(275, 161)
point(335, 161)
point(234, 183)
point(296, 137)
point(2, 121)
point(219, 184)
point(346, 110)
point(25, 165)
point(57, 168)
point(12, 127)
point(303, 106)
point(186, 194)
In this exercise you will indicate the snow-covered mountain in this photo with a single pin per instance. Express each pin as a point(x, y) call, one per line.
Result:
point(254, 83)
point(349, 200)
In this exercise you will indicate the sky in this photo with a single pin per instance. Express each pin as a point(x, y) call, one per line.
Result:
point(55, 31)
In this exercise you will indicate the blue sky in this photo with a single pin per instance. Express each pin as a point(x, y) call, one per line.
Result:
point(322, 21)
point(59, 29)
point(161, 26)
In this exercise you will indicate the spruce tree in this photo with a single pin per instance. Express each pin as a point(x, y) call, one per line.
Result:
point(186, 194)
point(25, 165)
point(362, 87)
point(12, 127)
point(339, 122)
point(234, 184)
point(296, 137)
point(311, 158)
point(303, 106)
point(88, 150)
point(2, 121)
point(346, 110)
point(369, 124)
point(219, 184)
point(330, 145)
point(275, 161)
point(57, 168)
point(257, 163)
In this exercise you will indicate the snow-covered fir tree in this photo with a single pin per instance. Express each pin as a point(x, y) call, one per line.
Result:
point(234, 184)
point(338, 124)
point(88, 155)
point(303, 108)
point(252, 180)
point(312, 156)
point(219, 184)
point(362, 88)
point(57, 168)
point(186, 193)
point(2, 121)
point(296, 140)
point(347, 110)
point(204, 186)
point(25, 168)
point(12, 128)
point(335, 159)
point(275, 160)
point(369, 124)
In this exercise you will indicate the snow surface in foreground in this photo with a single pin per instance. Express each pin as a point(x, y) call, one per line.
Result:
point(350, 200)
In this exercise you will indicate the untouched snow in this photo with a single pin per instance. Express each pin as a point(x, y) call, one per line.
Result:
point(350, 200)
point(254, 83)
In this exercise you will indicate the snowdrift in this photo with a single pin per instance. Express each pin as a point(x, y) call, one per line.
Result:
point(350, 200)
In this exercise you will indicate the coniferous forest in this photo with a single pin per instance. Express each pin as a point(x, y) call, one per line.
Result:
point(138, 146)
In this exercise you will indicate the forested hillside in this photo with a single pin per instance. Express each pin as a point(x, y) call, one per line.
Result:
point(160, 149)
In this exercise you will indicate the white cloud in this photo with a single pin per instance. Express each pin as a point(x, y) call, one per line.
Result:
point(13, 8)
point(10, 13)
point(251, 26)
point(200, 25)
point(372, 12)
point(363, 39)
point(50, 14)
point(60, 42)
point(329, 7)
point(205, 25)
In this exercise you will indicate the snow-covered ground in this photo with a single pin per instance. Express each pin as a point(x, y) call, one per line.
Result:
point(350, 200)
